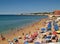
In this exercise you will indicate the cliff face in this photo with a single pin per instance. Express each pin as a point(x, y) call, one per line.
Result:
point(57, 12)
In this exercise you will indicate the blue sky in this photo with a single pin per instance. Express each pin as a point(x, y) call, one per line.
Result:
point(28, 6)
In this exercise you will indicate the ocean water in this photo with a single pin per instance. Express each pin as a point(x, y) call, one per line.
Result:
point(8, 22)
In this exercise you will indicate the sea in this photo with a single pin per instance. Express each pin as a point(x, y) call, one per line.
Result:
point(8, 22)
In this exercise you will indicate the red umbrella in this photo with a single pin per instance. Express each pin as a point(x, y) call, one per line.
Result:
point(54, 33)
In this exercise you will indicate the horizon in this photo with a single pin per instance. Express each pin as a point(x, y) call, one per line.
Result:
point(28, 6)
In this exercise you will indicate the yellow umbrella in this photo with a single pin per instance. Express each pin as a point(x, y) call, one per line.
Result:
point(58, 31)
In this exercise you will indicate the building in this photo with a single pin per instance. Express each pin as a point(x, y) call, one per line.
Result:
point(57, 12)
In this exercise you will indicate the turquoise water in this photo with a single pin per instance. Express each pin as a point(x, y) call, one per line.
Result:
point(8, 22)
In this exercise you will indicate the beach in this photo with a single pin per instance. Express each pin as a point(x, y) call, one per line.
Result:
point(19, 32)
point(31, 29)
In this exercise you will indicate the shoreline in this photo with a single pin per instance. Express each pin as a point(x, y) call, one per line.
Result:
point(18, 28)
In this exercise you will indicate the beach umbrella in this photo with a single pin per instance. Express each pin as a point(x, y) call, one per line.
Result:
point(58, 31)
point(43, 29)
point(49, 26)
point(56, 27)
point(54, 33)
point(49, 37)
point(32, 36)
point(35, 34)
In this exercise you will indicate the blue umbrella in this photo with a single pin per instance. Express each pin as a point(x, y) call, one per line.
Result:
point(49, 37)
point(49, 25)
point(56, 27)
point(43, 29)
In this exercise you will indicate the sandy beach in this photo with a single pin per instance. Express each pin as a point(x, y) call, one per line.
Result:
point(19, 32)
point(30, 29)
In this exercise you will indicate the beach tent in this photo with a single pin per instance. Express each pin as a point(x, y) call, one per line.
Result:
point(49, 26)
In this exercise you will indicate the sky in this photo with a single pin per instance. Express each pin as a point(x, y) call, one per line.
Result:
point(28, 6)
